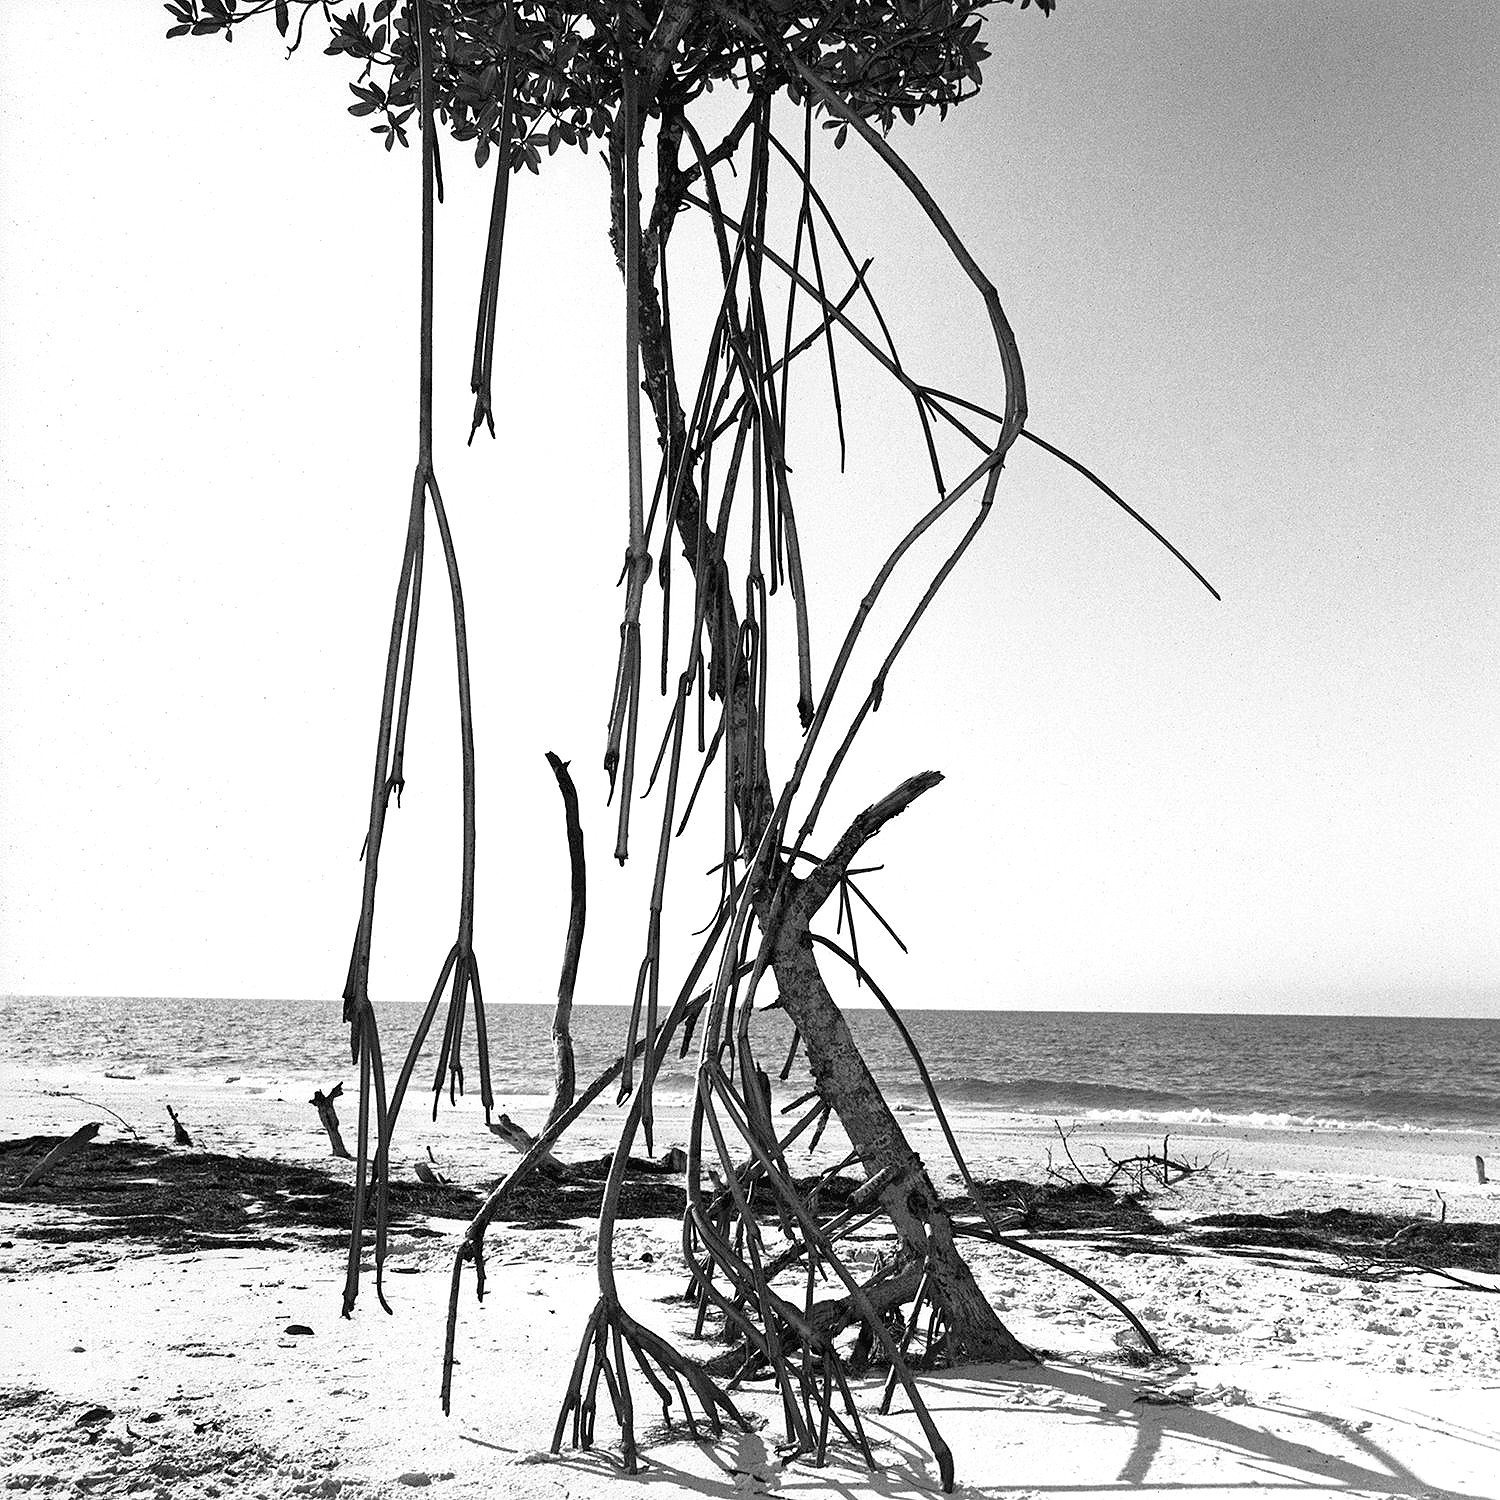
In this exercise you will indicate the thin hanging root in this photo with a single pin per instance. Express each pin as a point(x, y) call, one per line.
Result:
point(390, 749)
point(1010, 358)
point(1129, 510)
point(396, 780)
point(791, 1057)
point(481, 1041)
point(361, 1163)
point(609, 1334)
point(625, 711)
point(834, 1370)
point(812, 240)
point(937, 401)
point(358, 1013)
point(465, 978)
point(834, 313)
point(484, 332)
point(702, 773)
point(371, 1092)
point(824, 1116)
point(924, 1287)
point(929, 398)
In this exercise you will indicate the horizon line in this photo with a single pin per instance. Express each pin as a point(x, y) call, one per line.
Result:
point(1113, 1009)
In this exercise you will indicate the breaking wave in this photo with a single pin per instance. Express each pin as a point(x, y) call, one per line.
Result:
point(1354, 1109)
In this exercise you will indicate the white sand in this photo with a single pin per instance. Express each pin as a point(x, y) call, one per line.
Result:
point(1286, 1377)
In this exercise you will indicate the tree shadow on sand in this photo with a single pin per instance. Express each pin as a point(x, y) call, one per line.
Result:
point(1163, 1447)
point(1328, 1451)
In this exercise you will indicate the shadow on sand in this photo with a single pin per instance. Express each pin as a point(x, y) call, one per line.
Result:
point(1103, 1441)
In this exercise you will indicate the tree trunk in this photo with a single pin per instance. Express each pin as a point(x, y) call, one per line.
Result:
point(842, 1078)
point(908, 1196)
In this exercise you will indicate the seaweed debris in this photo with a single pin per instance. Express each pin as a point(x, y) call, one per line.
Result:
point(1055, 1207)
point(172, 1200)
point(1366, 1242)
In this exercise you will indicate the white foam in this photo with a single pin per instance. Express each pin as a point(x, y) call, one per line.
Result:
point(1256, 1120)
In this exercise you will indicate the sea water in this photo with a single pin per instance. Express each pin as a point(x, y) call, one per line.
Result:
point(1168, 1070)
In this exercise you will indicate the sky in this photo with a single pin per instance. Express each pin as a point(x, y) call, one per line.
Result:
point(1250, 253)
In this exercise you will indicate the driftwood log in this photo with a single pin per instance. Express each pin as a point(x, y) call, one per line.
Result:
point(60, 1153)
point(565, 1082)
point(521, 1140)
point(328, 1116)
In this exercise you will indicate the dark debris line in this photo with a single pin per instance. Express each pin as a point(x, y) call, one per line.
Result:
point(181, 1200)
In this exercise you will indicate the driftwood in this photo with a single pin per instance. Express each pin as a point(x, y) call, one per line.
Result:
point(671, 1163)
point(94, 1103)
point(60, 1153)
point(562, 1032)
point(1142, 1172)
point(180, 1137)
point(329, 1118)
point(521, 1140)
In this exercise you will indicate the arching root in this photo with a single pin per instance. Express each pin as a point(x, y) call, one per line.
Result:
point(610, 1332)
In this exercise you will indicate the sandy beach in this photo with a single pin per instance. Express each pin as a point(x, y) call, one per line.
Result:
point(131, 1367)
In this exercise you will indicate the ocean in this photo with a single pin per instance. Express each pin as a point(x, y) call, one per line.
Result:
point(1167, 1070)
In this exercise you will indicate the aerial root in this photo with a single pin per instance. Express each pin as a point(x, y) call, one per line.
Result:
point(610, 1332)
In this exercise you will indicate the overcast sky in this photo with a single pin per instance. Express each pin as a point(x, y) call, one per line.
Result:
point(1250, 253)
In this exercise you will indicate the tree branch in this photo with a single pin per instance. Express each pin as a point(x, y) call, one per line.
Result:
point(816, 888)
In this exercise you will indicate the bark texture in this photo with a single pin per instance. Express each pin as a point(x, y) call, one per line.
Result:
point(908, 1195)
